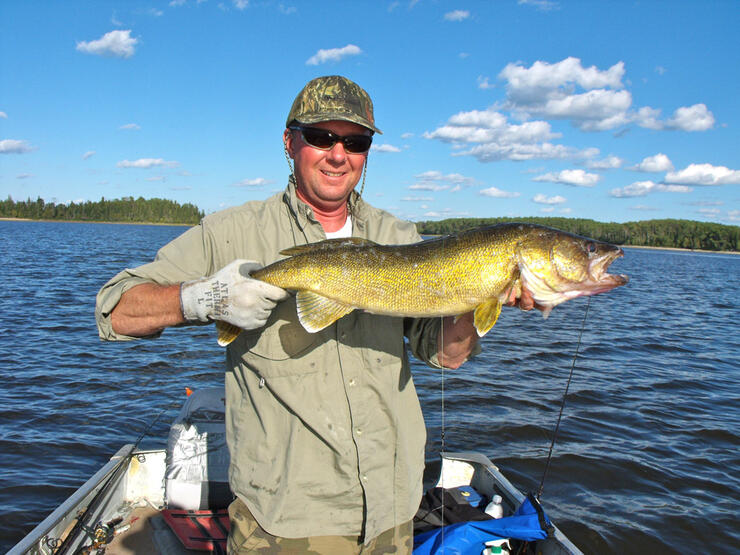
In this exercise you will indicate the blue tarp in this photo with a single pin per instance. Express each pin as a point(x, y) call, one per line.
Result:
point(469, 538)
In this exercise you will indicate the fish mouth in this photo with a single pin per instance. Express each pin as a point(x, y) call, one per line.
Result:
point(600, 279)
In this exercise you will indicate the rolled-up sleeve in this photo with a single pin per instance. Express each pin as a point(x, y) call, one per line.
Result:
point(185, 257)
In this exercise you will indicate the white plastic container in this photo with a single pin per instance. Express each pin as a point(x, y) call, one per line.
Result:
point(494, 508)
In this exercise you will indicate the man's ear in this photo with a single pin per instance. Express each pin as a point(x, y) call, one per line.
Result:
point(288, 142)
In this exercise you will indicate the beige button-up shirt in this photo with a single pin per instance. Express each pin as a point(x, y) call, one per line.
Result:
point(325, 430)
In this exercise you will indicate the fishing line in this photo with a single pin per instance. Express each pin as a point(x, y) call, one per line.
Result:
point(562, 403)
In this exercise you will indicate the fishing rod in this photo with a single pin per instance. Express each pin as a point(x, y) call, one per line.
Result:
point(562, 403)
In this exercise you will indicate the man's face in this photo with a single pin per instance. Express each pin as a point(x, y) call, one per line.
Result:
point(325, 178)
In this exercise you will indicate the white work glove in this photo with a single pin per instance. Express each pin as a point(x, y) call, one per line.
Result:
point(231, 295)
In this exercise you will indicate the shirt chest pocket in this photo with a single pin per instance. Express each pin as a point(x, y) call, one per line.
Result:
point(283, 347)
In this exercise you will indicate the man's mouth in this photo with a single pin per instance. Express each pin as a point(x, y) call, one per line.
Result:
point(332, 174)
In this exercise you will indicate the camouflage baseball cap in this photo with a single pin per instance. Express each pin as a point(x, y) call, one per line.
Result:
point(333, 98)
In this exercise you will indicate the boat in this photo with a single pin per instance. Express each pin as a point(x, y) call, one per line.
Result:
point(122, 510)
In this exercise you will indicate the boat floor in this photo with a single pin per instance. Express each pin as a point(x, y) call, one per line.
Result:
point(149, 533)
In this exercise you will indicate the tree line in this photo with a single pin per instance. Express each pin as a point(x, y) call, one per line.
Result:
point(126, 209)
point(685, 234)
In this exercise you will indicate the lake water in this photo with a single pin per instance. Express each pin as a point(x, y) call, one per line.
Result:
point(648, 455)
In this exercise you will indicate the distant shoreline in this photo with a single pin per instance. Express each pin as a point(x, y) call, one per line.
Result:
point(678, 249)
point(92, 222)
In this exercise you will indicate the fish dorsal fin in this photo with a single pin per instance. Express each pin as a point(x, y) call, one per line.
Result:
point(486, 315)
point(317, 312)
point(328, 244)
point(226, 333)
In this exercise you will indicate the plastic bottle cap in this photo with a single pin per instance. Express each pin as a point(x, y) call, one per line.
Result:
point(496, 499)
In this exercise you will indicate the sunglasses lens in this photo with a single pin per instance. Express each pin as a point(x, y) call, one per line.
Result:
point(323, 139)
point(357, 143)
point(318, 137)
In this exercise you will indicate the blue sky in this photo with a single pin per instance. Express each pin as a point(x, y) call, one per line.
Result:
point(615, 111)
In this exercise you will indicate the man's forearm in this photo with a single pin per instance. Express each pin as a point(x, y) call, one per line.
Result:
point(147, 309)
point(457, 340)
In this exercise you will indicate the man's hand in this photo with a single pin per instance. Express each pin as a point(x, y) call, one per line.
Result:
point(523, 300)
point(232, 296)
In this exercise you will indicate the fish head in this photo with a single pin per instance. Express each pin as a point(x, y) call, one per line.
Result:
point(556, 266)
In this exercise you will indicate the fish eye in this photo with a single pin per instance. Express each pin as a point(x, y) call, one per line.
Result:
point(590, 248)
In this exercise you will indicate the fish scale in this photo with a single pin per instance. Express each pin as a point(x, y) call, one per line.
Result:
point(474, 270)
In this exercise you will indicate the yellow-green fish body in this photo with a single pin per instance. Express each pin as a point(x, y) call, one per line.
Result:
point(473, 270)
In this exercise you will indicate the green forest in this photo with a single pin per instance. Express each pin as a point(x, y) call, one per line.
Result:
point(126, 209)
point(685, 234)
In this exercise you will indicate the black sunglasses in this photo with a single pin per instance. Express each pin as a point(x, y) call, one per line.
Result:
point(325, 140)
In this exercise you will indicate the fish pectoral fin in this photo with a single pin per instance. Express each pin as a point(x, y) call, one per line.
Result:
point(328, 244)
point(226, 332)
point(486, 315)
point(316, 312)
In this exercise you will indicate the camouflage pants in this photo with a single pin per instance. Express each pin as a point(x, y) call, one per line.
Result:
point(246, 537)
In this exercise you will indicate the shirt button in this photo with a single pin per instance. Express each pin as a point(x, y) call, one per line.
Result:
point(359, 431)
point(364, 478)
point(352, 382)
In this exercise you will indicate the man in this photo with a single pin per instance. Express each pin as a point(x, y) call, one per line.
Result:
point(325, 430)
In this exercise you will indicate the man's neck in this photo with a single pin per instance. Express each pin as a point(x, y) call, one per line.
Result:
point(331, 218)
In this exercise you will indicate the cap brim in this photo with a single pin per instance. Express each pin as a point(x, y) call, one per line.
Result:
point(338, 116)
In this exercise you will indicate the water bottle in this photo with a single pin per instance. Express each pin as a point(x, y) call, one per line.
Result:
point(494, 508)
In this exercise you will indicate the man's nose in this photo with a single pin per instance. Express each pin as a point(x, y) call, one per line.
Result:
point(337, 152)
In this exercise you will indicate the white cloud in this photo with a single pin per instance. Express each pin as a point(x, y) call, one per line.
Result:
point(648, 118)
point(578, 178)
point(417, 199)
point(14, 146)
point(642, 188)
point(709, 211)
point(691, 118)
point(687, 118)
point(3, 115)
point(611, 162)
point(241, 4)
point(385, 148)
point(537, 83)
point(551, 91)
point(544, 199)
point(498, 193)
point(660, 70)
point(543, 5)
point(493, 152)
point(333, 54)
point(704, 174)
point(454, 178)
point(115, 43)
point(176, 3)
point(24, 175)
point(658, 163)
point(483, 83)
point(457, 15)
point(407, 135)
point(499, 140)
point(146, 163)
point(131, 126)
point(428, 187)
point(88, 154)
point(157, 178)
point(256, 182)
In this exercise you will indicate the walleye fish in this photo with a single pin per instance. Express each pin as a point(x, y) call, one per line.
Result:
point(475, 270)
